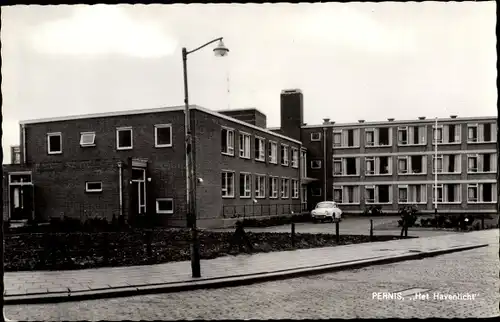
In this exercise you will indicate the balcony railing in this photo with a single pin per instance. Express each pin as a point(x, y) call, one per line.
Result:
point(244, 211)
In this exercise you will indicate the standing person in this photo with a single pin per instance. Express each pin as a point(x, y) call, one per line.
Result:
point(240, 237)
point(404, 225)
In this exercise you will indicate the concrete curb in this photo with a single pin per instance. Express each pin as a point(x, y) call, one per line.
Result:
point(230, 281)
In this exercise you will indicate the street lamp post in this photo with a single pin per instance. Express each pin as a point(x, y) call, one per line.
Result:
point(220, 50)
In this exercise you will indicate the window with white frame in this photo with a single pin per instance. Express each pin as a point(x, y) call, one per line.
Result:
point(350, 194)
point(316, 136)
point(163, 135)
point(124, 138)
point(417, 164)
point(303, 163)
point(370, 165)
point(349, 166)
point(227, 184)
point(285, 188)
point(437, 134)
point(337, 194)
point(284, 154)
point(472, 133)
point(451, 193)
point(437, 189)
point(472, 163)
point(412, 135)
point(295, 188)
point(244, 146)
point(95, 186)
point(437, 164)
point(273, 187)
point(245, 185)
point(260, 186)
point(337, 166)
point(488, 132)
point(260, 149)
point(403, 194)
point(383, 136)
point(227, 141)
point(482, 192)
point(273, 152)
point(295, 158)
point(369, 137)
point(54, 143)
point(452, 133)
point(164, 206)
point(378, 193)
point(87, 139)
point(472, 192)
point(403, 135)
point(451, 163)
point(316, 164)
point(349, 138)
point(383, 165)
point(402, 165)
point(316, 192)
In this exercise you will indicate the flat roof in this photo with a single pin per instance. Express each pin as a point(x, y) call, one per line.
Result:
point(154, 110)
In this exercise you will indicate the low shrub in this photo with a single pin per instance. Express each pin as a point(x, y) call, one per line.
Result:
point(276, 221)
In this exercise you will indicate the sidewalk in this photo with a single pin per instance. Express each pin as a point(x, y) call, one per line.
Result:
point(57, 286)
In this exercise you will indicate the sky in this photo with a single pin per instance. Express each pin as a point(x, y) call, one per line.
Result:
point(352, 61)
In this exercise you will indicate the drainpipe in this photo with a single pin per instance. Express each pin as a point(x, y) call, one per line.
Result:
point(324, 164)
point(23, 133)
point(120, 186)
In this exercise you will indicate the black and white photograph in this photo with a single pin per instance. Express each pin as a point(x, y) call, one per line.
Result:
point(235, 161)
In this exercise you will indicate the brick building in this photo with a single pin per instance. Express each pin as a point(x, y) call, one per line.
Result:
point(131, 163)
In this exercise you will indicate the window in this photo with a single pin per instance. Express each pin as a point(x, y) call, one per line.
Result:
point(351, 166)
point(303, 163)
point(402, 194)
point(15, 154)
point(411, 135)
point(370, 166)
point(437, 134)
point(451, 193)
point(337, 166)
point(285, 188)
point(472, 192)
point(273, 152)
point(227, 184)
point(472, 133)
point(472, 163)
point(260, 186)
point(316, 164)
point(93, 186)
point(453, 135)
point(227, 141)
point(245, 185)
point(337, 194)
point(295, 188)
point(370, 137)
point(451, 163)
point(124, 138)
point(402, 165)
point(260, 149)
point(295, 158)
point(273, 187)
point(244, 146)
point(437, 164)
point(164, 206)
point(284, 155)
point(383, 165)
point(316, 192)
point(378, 194)
point(481, 192)
point(346, 138)
point(87, 139)
point(487, 133)
point(417, 193)
point(316, 136)
point(403, 135)
point(163, 135)
point(350, 195)
point(418, 164)
point(346, 166)
point(439, 190)
point(54, 143)
point(384, 136)
point(337, 139)
point(370, 194)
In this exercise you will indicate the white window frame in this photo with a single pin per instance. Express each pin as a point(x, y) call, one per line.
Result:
point(439, 187)
point(245, 146)
point(341, 189)
point(423, 194)
point(229, 141)
point(345, 202)
point(404, 129)
point(166, 212)
point(285, 188)
point(317, 163)
point(372, 131)
point(410, 168)
point(316, 138)
point(273, 187)
point(407, 165)
point(478, 197)
point(480, 188)
point(273, 152)
point(316, 195)
point(407, 194)
point(247, 191)
point(295, 189)
point(376, 165)
point(122, 129)
point(261, 147)
point(434, 168)
point(53, 134)
point(338, 160)
point(445, 193)
point(367, 172)
point(225, 190)
point(471, 156)
point(344, 167)
point(260, 186)
point(163, 126)
point(82, 135)
point(337, 132)
point(295, 158)
point(376, 138)
point(439, 130)
point(457, 126)
point(377, 195)
point(476, 126)
point(285, 160)
point(368, 201)
point(92, 190)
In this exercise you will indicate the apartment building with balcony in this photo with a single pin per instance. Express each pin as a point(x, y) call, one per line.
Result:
point(132, 163)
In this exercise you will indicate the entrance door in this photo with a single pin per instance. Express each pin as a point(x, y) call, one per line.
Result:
point(303, 197)
point(21, 197)
point(138, 191)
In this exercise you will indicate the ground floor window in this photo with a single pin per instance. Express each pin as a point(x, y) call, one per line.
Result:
point(164, 206)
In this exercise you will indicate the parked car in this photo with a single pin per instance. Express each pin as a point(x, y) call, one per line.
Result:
point(326, 210)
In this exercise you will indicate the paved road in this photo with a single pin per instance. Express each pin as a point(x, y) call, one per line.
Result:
point(346, 294)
